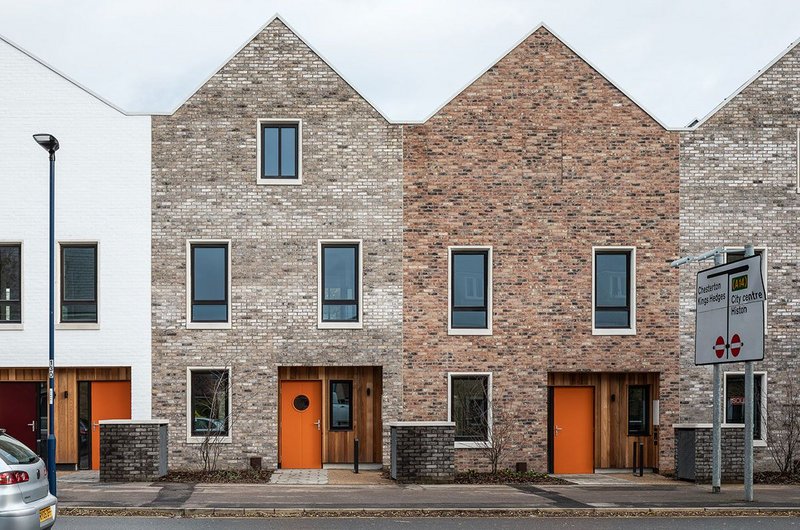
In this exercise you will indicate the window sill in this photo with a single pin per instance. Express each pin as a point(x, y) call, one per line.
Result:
point(340, 325)
point(759, 443)
point(279, 182)
point(208, 325)
point(11, 327)
point(78, 325)
point(469, 331)
point(200, 439)
point(470, 445)
point(613, 331)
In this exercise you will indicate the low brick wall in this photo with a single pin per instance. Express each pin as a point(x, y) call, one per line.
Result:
point(732, 452)
point(423, 452)
point(133, 450)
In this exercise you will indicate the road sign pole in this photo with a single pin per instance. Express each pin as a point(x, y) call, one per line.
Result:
point(716, 433)
point(748, 415)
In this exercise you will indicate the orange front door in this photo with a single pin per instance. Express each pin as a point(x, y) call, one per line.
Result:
point(301, 424)
point(110, 401)
point(573, 429)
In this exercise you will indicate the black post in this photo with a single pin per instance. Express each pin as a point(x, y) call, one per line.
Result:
point(634, 458)
point(641, 459)
point(355, 456)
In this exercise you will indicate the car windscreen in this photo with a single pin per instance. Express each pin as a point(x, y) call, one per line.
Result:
point(13, 452)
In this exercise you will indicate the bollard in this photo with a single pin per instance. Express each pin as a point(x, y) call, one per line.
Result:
point(634, 459)
point(355, 456)
point(641, 459)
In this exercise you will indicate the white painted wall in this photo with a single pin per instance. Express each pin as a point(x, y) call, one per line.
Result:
point(102, 194)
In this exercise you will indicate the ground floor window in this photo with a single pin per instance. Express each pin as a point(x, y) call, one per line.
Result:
point(470, 407)
point(209, 407)
point(638, 410)
point(341, 406)
point(734, 401)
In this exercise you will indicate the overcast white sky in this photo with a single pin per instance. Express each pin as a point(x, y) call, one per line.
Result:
point(678, 58)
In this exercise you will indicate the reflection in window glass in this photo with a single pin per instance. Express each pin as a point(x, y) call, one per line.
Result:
point(79, 283)
point(638, 410)
point(734, 401)
point(469, 407)
point(340, 283)
point(612, 289)
point(341, 405)
point(209, 406)
point(469, 285)
point(210, 282)
point(10, 284)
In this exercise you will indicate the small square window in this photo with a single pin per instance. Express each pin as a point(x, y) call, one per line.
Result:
point(279, 152)
point(79, 283)
point(341, 414)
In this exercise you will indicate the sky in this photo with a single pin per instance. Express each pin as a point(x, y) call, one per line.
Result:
point(677, 58)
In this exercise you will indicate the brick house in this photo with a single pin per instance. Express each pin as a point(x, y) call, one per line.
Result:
point(540, 207)
point(277, 263)
point(740, 183)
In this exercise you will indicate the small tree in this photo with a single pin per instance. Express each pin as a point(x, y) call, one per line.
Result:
point(483, 421)
point(501, 437)
point(214, 414)
point(783, 431)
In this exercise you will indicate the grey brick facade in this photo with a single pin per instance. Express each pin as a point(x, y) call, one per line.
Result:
point(739, 184)
point(204, 187)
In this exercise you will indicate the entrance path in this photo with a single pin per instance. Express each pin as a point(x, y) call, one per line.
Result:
point(300, 477)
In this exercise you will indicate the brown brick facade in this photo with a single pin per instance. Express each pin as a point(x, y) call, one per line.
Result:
point(541, 158)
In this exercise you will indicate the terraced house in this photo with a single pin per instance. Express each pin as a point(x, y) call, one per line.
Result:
point(277, 263)
point(540, 211)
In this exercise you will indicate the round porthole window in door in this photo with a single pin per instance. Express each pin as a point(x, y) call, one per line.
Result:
point(301, 403)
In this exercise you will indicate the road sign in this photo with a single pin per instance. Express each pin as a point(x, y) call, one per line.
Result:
point(730, 313)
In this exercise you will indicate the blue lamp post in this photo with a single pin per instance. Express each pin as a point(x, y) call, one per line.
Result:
point(50, 144)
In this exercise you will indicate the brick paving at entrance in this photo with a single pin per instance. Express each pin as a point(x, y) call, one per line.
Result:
point(299, 476)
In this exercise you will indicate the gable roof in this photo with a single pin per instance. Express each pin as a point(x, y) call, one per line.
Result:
point(273, 18)
point(68, 78)
point(746, 84)
point(539, 26)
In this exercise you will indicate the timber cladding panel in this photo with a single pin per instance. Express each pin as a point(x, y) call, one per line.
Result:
point(541, 158)
point(204, 187)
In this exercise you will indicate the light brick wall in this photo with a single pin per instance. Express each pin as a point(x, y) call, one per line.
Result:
point(541, 158)
point(738, 185)
point(204, 186)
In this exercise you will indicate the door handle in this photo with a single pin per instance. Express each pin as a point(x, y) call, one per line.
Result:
point(317, 423)
point(557, 429)
point(95, 425)
point(32, 425)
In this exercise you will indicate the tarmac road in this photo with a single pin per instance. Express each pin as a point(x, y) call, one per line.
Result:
point(297, 523)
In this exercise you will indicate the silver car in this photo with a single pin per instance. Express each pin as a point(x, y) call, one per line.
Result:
point(25, 499)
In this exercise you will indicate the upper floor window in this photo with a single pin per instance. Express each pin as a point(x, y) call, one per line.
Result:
point(614, 293)
point(79, 283)
point(470, 291)
point(279, 151)
point(10, 284)
point(340, 284)
point(209, 271)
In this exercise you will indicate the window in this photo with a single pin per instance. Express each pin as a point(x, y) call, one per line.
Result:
point(470, 291)
point(10, 284)
point(209, 284)
point(734, 401)
point(279, 151)
point(209, 405)
point(340, 279)
point(470, 408)
point(79, 283)
point(638, 410)
point(341, 406)
point(614, 291)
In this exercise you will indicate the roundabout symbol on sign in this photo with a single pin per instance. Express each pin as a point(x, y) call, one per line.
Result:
point(736, 344)
point(719, 347)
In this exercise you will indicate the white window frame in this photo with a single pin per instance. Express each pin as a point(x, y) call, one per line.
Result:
point(616, 331)
point(207, 325)
point(280, 181)
point(76, 325)
point(489, 291)
point(757, 442)
point(199, 439)
point(473, 444)
point(360, 275)
point(764, 268)
point(797, 160)
point(18, 326)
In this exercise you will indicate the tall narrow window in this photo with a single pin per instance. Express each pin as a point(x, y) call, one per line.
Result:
point(470, 289)
point(279, 146)
point(341, 406)
point(614, 290)
point(469, 407)
point(209, 282)
point(341, 275)
point(79, 283)
point(734, 401)
point(209, 407)
point(10, 284)
point(638, 410)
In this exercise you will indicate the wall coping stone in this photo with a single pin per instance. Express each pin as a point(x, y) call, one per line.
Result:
point(706, 426)
point(421, 424)
point(134, 422)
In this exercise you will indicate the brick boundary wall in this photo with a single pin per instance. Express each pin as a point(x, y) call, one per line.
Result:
point(423, 452)
point(732, 453)
point(132, 450)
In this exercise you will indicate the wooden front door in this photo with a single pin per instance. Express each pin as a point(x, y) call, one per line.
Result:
point(19, 412)
point(573, 429)
point(111, 400)
point(301, 424)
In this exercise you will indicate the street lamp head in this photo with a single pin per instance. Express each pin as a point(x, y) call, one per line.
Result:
point(47, 141)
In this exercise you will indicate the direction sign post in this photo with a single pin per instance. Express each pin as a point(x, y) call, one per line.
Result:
point(748, 400)
point(716, 420)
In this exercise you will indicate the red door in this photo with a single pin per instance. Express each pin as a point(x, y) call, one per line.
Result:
point(18, 411)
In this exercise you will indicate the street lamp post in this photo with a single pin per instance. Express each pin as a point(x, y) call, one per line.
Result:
point(50, 144)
